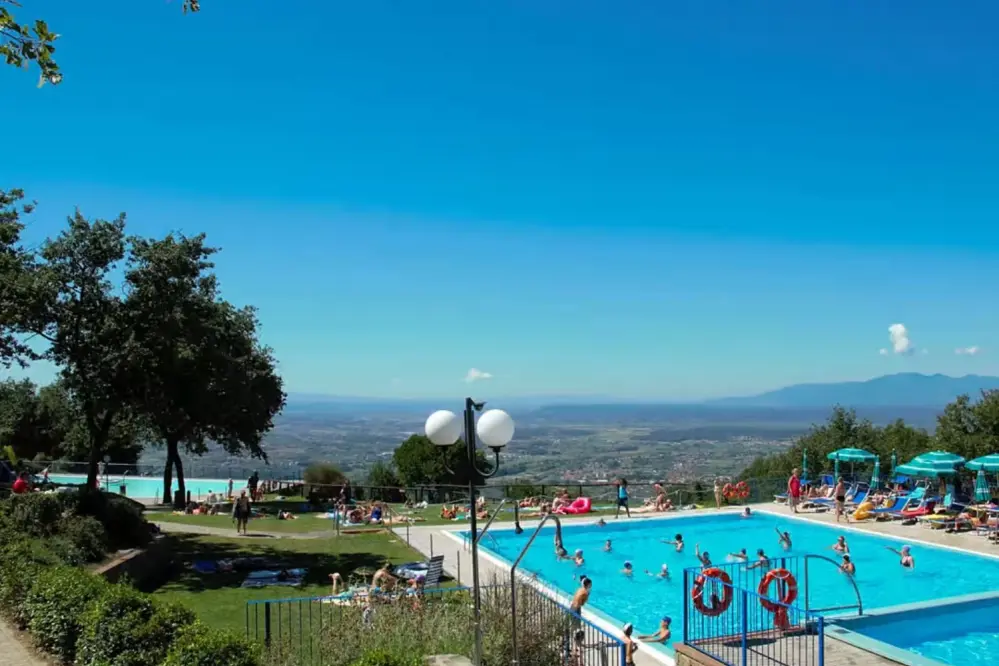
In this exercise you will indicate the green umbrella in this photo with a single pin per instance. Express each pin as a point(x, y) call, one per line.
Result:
point(982, 492)
point(989, 463)
point(934, 464)
point(852, 455)
point(876, 475)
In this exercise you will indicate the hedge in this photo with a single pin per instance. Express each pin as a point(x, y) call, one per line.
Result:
point(79, 618)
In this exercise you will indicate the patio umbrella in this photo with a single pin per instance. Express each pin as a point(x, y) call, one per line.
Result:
point(982, 492)
point(849, 455)
point(989, 463)
point(935, 464)
point(876, 474)
point(804, 463)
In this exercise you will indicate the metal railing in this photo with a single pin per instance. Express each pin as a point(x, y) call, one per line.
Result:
point(318, 631)
point(755, 614)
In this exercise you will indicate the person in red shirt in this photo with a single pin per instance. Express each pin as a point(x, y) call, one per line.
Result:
point(794, 490)
point(21, 485)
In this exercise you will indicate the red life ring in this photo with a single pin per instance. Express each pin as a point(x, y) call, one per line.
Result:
point(790, 594)
point(718, 606)
point(742, 489)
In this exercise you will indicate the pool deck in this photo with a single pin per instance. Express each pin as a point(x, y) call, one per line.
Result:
point(435, 540)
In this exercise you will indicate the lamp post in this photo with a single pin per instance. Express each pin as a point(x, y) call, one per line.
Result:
point(495, 429)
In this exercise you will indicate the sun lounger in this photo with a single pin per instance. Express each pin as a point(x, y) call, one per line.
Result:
point(431, 570)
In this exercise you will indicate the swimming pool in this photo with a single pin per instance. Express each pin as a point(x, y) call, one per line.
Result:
point(643, 600)
point(149, 487)
point(961, 631)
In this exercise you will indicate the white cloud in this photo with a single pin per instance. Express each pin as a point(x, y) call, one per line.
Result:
point(968, 351)
point(900, 342)
point(475, 375)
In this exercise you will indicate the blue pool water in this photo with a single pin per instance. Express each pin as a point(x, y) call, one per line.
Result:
point(643, 599)
point(965, 633)
point(148, 487)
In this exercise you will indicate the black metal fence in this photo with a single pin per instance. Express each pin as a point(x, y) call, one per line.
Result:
point(331, 631)
point(759, 613)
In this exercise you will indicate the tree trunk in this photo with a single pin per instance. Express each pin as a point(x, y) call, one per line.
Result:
point(180, 473)
point(168, 478)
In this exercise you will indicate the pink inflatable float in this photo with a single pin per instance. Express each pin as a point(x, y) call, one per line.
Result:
point(580, 505)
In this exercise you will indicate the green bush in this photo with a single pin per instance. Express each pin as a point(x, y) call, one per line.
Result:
point(386, 658)
point(87, 534)
point(35, 514)
point(125, 628)
point(55, 606)
point(199, 645)
point(121, 517)
point(20, 564)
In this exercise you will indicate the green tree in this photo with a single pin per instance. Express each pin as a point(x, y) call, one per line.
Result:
point(382, 475)
point(418, 462)
point(24, 42)
point(24, 426)
point(81, 318)
point(16, 264)
point(202, 376)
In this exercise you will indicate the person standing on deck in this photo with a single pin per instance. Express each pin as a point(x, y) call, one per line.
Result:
point(794, 490)
point(622, 498)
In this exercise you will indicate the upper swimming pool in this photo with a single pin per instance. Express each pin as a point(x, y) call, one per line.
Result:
point(643, 600)
point(148, 487)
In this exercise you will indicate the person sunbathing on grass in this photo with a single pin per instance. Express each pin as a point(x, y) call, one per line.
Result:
point(337, 584)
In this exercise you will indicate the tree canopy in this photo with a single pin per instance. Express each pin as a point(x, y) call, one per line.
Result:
point(966, 426)
point(25, 41)
point(157, 356)
point(418, 462)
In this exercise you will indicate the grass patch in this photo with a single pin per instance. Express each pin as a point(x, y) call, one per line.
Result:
point(218, 599)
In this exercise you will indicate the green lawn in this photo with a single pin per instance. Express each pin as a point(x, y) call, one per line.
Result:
point(219, 600)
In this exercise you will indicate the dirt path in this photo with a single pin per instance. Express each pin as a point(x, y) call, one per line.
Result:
point(13, 652)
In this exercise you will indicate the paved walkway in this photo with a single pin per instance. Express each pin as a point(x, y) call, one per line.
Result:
point(12, 650)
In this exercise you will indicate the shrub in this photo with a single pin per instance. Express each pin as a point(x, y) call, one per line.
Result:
point(125, 628)
point(198, 645)
point(20, 565)
point(36, 514)
point(87, 535)
point(323, 474)
point(121, 517)
point(55, 606)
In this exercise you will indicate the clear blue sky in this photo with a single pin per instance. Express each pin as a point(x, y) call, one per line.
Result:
point(652, 199)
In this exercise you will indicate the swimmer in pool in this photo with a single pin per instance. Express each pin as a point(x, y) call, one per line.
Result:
point(748, 513)
point(905, 557)
point(660, 636)
point(741, 556)
point(663, 573)
point(627, 570)
point(784, 539)
point(601, 523)
point(578, 557)
point(607, 546)
point(703, 558)
point(677, 542)
point(761, 560)
point(848, 567)
point(840, 545)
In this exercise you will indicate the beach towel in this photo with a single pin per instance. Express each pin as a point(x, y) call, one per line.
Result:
point(262, 575)
point(205, 566)
point(268, 582)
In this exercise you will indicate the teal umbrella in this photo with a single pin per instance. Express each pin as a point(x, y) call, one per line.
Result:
point(989, 463)
point(849, 455)
point(982, 492)
point(934, 464)
point(876, 475)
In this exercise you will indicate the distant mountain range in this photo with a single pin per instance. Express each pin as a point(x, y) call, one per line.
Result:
point(907, 389)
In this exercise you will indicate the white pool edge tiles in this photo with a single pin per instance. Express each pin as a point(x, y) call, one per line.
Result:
point(598, 619)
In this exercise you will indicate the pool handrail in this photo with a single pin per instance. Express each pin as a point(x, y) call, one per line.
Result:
point(489, 522)
point(513, 578)
point(856, 590)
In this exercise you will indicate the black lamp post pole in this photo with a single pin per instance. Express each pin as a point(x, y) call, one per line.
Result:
point(470, 408)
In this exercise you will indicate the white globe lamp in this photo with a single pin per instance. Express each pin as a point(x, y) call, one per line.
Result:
point(495, 428)
point(443, 428)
